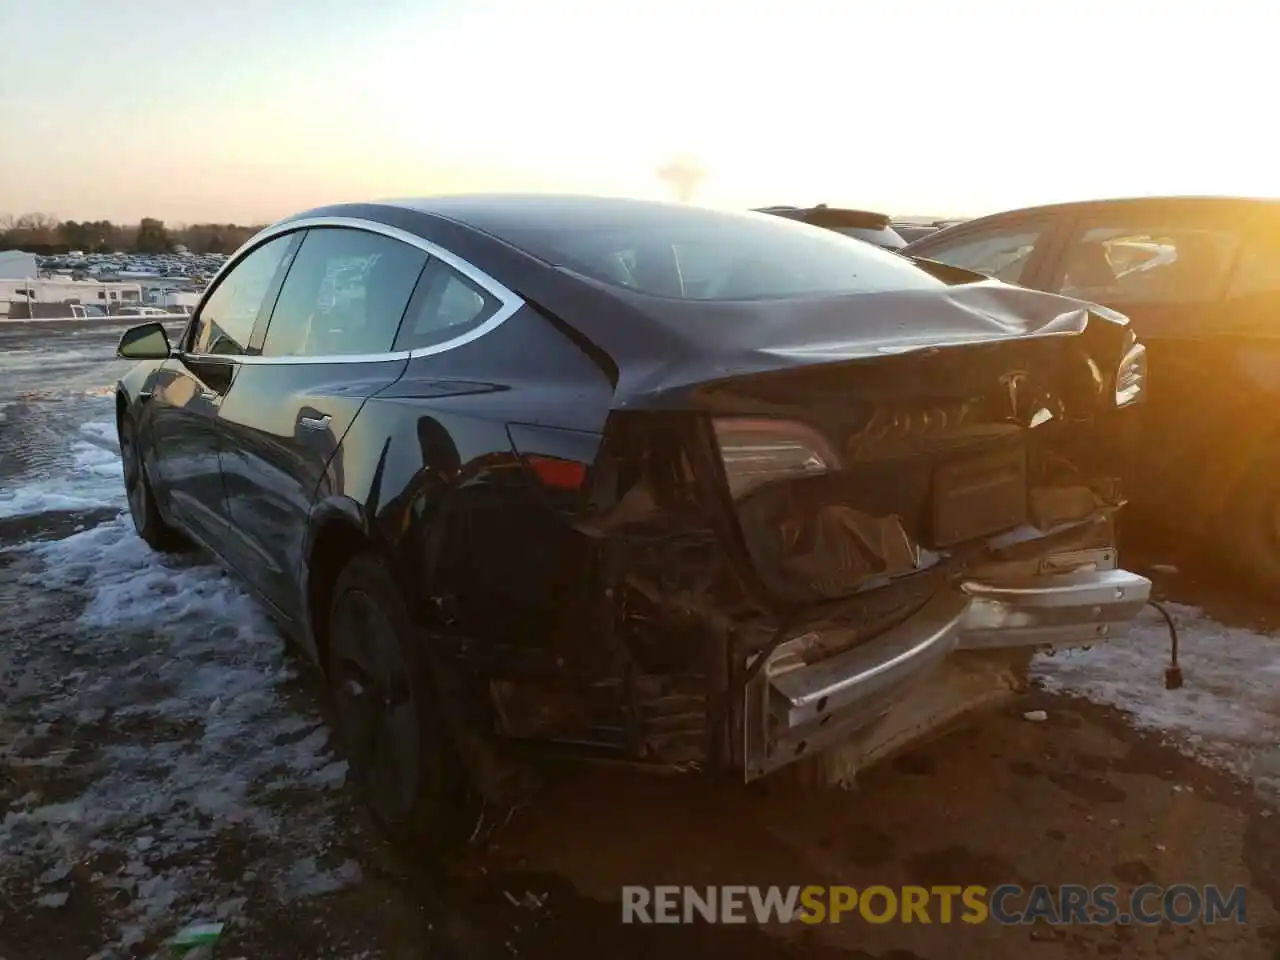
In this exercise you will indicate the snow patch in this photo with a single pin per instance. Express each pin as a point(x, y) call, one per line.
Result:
point(93, 480)
point(204, 751)
point(306, 878)
point(1228, 711)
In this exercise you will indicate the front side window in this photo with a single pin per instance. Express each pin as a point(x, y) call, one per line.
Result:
point(227, 317)
point(447, 306)
point(1145, 264)
point(1257, 272)
point(1253, 294)
point(1003, 255)
point(344, 295)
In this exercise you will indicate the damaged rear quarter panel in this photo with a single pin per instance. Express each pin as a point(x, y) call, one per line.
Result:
point(437, 482)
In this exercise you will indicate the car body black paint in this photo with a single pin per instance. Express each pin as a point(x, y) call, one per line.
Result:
point(430, 458)
point(274, 464)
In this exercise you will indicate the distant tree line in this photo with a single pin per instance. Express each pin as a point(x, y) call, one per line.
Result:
point(45, 234)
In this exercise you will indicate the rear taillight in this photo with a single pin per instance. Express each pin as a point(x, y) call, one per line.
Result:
point(557, 473)
point(758, 451)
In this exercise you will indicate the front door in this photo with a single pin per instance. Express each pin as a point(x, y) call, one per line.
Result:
point(327, 349)
point(192, 386)
point(184, 405)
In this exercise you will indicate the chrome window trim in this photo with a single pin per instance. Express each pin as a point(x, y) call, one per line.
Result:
point(509, 300)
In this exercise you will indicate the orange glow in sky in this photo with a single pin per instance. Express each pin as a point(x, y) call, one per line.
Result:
point(247, 110)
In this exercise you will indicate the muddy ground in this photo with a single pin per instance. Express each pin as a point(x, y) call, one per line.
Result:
point(163, 761)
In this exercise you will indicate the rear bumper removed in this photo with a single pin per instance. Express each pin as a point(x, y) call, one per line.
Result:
point(792, 709)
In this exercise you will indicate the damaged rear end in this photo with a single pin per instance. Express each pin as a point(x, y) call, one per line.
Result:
point(798, 554)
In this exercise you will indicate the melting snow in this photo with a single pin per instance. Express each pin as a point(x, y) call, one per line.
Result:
point(93, 478)
point(1228, 711)
point(177, 674)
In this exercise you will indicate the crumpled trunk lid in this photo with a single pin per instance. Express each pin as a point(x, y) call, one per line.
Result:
point(939, 450)
point(704, 343)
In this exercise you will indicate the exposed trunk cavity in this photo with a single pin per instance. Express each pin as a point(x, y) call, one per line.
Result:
point(940, 455)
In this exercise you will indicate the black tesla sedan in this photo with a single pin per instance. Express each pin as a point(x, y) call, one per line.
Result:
point(642, 481)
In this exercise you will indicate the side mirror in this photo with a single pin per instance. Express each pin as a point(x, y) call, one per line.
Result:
point(146, 341)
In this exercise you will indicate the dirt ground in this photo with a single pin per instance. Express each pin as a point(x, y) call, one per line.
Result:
point(162, 761)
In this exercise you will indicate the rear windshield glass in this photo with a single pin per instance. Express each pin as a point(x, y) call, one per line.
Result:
point(750, 257)
point(886, 237)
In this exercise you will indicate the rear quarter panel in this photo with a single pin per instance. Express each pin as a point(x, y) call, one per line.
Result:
point(429, 471)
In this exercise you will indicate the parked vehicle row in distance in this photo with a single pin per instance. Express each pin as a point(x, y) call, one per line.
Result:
point(863, 224)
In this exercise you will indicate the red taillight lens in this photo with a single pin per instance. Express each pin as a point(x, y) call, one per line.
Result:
point(560, 474)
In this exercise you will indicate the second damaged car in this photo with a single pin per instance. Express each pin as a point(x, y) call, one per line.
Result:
point(638, 481)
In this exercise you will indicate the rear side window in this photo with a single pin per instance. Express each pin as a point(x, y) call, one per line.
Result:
point(446, 306)
point(344, 295)
point(749, 257)
point(1002, 255)
point(1148, 264)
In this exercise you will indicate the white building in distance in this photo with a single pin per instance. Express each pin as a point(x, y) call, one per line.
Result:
point(16, 265)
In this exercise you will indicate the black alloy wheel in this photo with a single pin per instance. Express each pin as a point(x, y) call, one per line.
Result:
point(386, 713)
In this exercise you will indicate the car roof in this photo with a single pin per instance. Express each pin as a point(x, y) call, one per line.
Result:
point(512, 217)
point(525, 220)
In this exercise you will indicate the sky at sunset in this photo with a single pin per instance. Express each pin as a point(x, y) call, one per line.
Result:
point(247, 110)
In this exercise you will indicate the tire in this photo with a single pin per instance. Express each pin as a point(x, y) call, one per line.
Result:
point(387, 717)
point(1250, 539)
point(147, 520)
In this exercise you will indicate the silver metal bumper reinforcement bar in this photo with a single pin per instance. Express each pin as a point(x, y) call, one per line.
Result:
point(793, 708)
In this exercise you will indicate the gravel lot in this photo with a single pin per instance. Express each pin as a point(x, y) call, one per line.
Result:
point(163, 761)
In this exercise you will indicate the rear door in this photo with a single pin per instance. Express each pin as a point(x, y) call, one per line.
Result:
point(327, 348)
point(191, 387)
